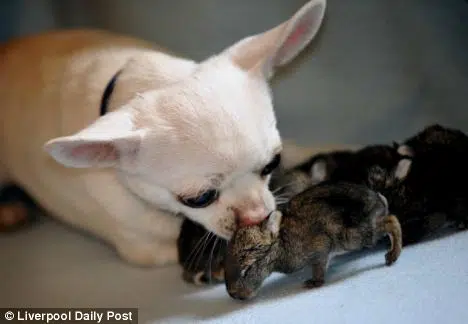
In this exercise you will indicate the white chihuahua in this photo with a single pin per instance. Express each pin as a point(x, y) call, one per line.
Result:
point(174, 136)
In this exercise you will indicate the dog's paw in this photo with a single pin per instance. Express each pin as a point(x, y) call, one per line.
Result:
point(14, 216)
point(17, 209)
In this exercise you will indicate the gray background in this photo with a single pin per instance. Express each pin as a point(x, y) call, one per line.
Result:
point(380, 70)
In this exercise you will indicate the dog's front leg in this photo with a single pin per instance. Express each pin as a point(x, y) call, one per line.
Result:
point(149, 239)
point(141, 233)
point(146, 251)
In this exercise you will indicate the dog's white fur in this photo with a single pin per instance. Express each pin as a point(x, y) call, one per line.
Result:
point(174, 128)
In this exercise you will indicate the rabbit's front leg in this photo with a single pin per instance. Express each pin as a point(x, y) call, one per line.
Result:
point(319, 269)
point(322, 247)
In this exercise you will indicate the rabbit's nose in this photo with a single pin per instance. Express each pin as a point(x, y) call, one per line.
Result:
point(241, 293)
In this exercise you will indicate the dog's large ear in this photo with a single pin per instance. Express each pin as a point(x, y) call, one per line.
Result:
point(104, 143)
point(278, 46)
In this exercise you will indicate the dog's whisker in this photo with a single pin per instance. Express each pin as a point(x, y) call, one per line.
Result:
point(211, 258)
point(207, 242)
point(199, 252)
point(285, 185)
point(195, 248)
point(195, 257)
point(277, 189)
point(282, 197)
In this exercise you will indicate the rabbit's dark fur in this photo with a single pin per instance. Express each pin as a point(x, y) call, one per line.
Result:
point(423, 178)
point(322, 221)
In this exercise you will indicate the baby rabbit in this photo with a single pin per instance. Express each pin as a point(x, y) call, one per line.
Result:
point(423, 179)
point(436, 184)
point(201, 254)
point(322, 221)
point(423, 199)
point(436, 136)
point(349, 166)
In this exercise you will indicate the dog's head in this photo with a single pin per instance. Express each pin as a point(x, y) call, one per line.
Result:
point(203, 146)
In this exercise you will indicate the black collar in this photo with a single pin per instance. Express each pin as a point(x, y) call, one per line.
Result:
point(107, 93)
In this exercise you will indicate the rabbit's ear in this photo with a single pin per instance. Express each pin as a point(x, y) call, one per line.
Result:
point(273, 222)
point(318, 171)
point(402, 169)
point(405, 150)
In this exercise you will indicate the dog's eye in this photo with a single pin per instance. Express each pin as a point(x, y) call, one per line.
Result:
point(272, 165)
point(201, 201)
